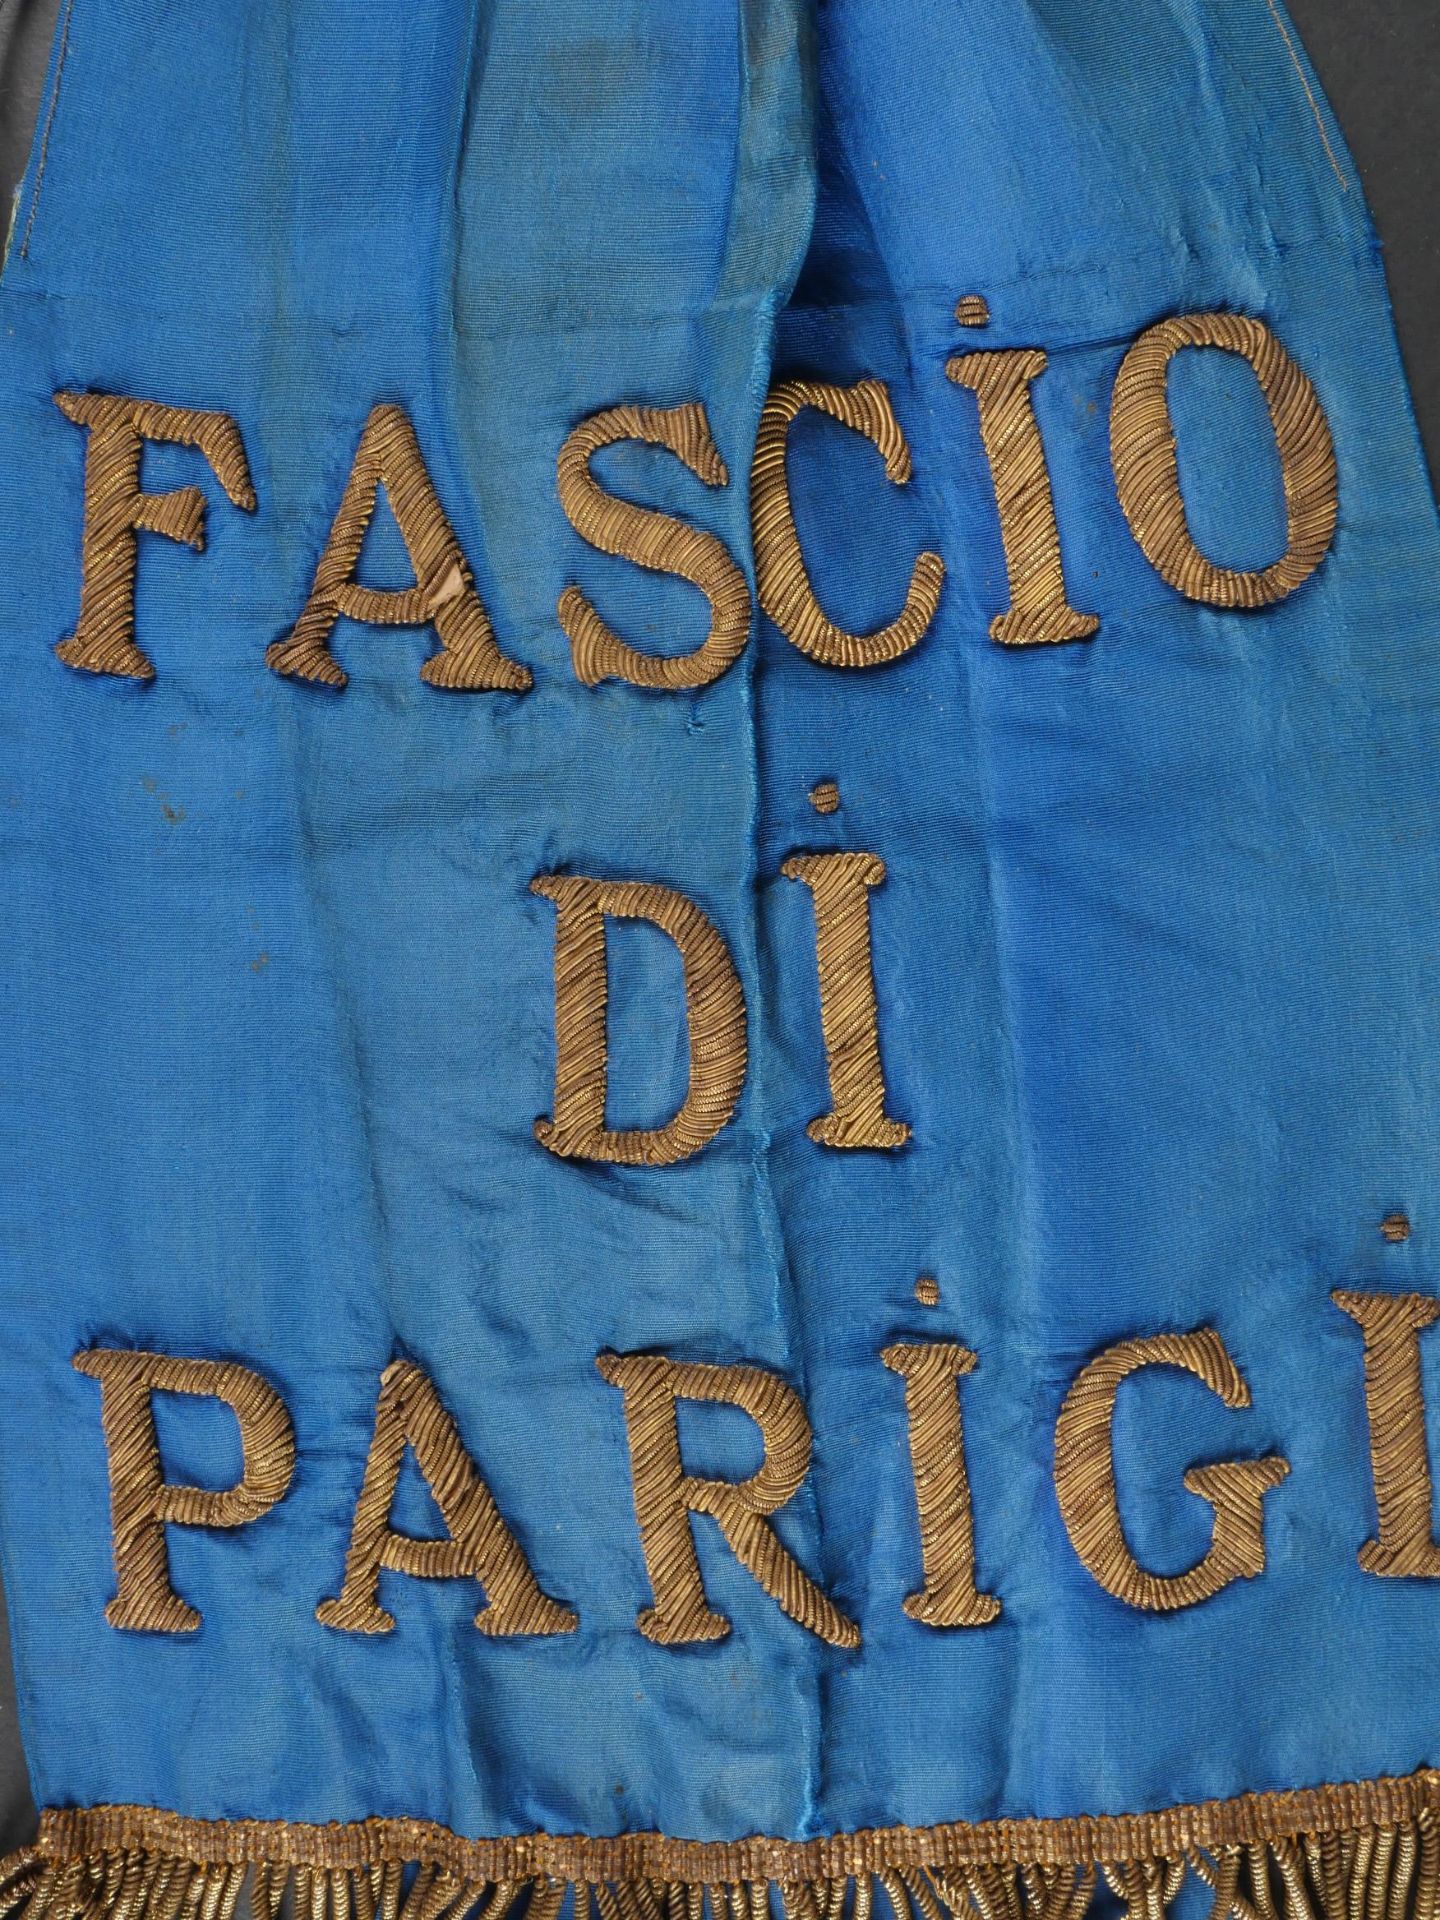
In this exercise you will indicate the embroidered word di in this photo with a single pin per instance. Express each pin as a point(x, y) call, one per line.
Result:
point(478, 1542)
point(715, 1015)
point(445, 598)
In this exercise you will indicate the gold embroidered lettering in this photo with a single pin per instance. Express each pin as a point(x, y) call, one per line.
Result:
point(1399, 1455)
point(781, 578)
point(143, 1502)
point(1085, 1477)
point(116, 510)
point(949, 1597)
point(714, 1004)
point(478, 1546)
point(666, 1496)
point(443, 595)
point(657, 541)
point(1147, 474)
point(840, 884)
point(1039, 612)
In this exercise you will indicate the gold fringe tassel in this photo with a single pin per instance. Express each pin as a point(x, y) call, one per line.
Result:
point(1363, 1852)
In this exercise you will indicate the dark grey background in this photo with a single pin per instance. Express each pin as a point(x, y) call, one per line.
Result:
point(1379, 61)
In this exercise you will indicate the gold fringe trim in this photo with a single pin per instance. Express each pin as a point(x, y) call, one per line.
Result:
point(1365, 1851)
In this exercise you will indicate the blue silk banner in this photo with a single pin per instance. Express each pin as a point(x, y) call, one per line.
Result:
point(717, 848)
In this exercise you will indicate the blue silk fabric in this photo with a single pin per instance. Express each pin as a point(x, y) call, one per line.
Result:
point(1155, 957)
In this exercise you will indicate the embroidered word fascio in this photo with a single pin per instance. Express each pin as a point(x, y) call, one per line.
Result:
point(478, 1542)
point(444, 595)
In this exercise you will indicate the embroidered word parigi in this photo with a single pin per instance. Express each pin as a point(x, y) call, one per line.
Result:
point(444, 595)
point(479, 1543)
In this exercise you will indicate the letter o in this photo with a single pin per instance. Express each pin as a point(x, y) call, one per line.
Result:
point(1147, 475)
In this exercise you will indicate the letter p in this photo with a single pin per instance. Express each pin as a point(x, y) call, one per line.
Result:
point(143, 1502)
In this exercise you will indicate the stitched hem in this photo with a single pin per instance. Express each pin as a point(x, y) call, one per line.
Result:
point(1407, 1808)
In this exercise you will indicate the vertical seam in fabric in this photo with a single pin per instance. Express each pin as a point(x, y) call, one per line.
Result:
point(49, 125)
point(1277, 17)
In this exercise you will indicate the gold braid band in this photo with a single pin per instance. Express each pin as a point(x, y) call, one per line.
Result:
point(1321, 1853)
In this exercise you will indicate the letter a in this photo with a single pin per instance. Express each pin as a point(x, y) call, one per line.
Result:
point(480, 1546)
point(443, 595)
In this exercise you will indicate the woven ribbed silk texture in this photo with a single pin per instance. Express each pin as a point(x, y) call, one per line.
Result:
point(1152, 960)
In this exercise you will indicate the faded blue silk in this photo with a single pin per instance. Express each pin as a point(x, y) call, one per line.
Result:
point(1155, 956)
